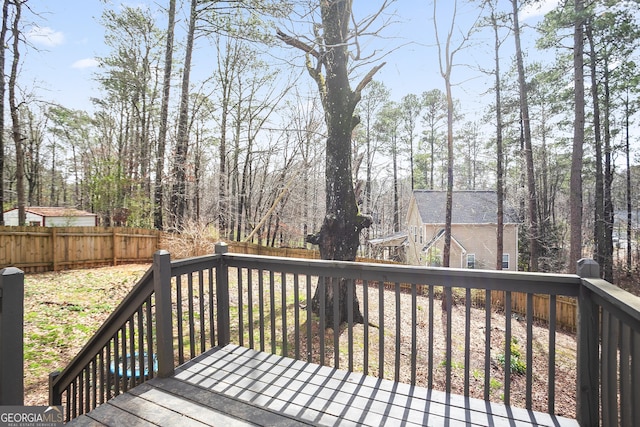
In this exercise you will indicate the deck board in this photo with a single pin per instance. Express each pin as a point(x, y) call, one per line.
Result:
point(238, 386)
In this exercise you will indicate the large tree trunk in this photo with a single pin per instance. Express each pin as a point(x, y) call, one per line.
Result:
point(179, 196)
point(628, 183)
point(532, 206)
point(339, 236)
point(164, 115)
point(575, 198)
point(396, 196)
point(15, 117)
point(499, 150)
point(226, 70)
point(446, 256)
point(607, 266)
point(599, 226)
point(3, 36)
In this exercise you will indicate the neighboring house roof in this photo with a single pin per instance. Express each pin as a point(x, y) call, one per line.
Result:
point(393, 240)
point(55, 211)
point(469, 207)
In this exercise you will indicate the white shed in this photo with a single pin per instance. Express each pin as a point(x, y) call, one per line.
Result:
point(52, 217)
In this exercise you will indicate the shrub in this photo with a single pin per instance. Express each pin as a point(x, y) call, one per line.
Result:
point(516, 364)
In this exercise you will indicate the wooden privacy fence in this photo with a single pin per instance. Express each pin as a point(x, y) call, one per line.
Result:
point(566, 308)
point(253, 249)
point(36, 249)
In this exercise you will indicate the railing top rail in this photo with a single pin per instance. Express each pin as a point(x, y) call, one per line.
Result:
point(188, 265)
point(618, 302)
point(543, 283)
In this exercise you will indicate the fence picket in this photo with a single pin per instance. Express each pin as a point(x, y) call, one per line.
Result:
point(38, 249)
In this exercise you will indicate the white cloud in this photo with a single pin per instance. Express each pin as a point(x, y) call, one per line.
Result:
point(537, 9)
point(45, 36)
point(85, 63)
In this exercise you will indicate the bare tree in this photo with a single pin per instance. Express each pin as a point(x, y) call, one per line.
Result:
point(528, 150)
point(179, 192)
point(3, 36)
point(388, 127)
point(575, 196)
point(599, 221)
point(16, 131)
point(435, 106)
point(446, 54)
point(339, 236)
point(375, 95)
point(411, 107)
point(499, 142)
point(35, 129)
point(164, 114)
point(307, 126)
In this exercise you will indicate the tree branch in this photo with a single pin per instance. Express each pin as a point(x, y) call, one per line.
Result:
point(357, 93)
point(292, 41)
point(364, 221)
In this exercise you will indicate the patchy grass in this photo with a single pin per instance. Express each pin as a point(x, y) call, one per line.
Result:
point(62, 310)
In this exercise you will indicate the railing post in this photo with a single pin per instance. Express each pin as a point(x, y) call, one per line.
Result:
point(54, 397)
point(164, 323)
point(11, 336)
point(222, 296)
point(588, 381)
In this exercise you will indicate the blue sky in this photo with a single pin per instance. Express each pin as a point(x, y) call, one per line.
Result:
point(69, 37)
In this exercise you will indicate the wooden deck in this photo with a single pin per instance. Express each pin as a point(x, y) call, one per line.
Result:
point(236, 386)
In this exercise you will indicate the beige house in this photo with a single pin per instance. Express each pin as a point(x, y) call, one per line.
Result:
point(473, 230)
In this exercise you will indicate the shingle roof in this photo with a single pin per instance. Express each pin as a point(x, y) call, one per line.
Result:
point(469, 207)
point(395, 239)
point(57, 211)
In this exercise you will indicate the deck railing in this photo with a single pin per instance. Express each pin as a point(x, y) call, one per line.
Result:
point(180, 309)
point(608, 352)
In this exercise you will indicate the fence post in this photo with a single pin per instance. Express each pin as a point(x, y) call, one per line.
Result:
point(54, 245)
point(11, 336)
point(114, 243)
point(222, 296)
point(164, 313)
point(588, 390)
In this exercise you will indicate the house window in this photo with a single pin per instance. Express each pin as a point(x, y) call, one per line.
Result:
point(505, 261)
point(471, 260)
point(421, 235)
